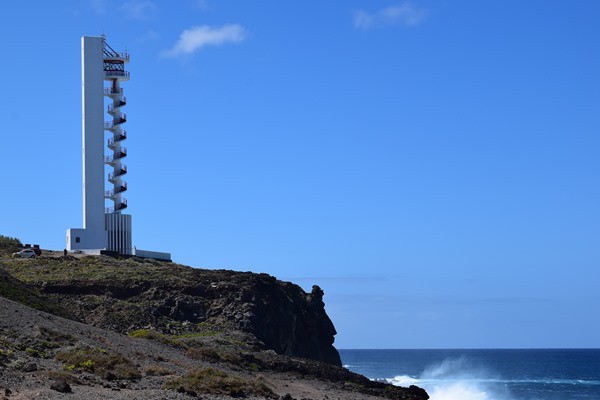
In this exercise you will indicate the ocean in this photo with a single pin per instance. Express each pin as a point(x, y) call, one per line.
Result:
point(548, 374)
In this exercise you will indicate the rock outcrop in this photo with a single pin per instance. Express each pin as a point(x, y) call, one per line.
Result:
point(128, 295)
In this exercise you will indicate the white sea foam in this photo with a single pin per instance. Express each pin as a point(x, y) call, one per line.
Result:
point(463, 390)
point(403, 380)
point(456, 379)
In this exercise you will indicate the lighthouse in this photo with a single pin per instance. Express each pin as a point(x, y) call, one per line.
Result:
point(103, 134)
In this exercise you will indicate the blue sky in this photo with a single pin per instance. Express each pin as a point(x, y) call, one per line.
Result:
point(432, 165)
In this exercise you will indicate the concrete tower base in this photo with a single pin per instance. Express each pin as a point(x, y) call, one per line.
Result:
point(118, 229)
point(85, 239)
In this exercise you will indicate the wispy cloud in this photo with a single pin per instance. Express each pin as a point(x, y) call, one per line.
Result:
point(405, 14)
point(139, 9)
point(201, 4)
point(99, 6)
point(195, 38)
point(148, 37)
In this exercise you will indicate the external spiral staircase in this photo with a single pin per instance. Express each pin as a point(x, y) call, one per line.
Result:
point(115, 73)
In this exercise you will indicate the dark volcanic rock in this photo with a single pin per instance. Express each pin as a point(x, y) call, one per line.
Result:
point(29, 367)
point(417, 392)
point(293, 323)
point(126, 295)
point(61, 386)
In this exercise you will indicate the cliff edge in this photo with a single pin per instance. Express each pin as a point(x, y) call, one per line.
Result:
point(131, 294)
point(130, 328)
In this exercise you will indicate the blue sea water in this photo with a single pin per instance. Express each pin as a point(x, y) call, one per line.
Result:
point(549, 374)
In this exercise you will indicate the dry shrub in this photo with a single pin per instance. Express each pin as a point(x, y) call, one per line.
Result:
point(212, 381)
point(157, 370)
point(63, 376)
point(53, 336)
point(150, 334)
point(210, 354)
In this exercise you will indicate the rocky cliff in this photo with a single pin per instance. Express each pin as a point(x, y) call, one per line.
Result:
point(124, 329)
point(128, 295)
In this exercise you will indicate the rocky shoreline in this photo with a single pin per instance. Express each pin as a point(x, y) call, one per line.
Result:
point(108, 328)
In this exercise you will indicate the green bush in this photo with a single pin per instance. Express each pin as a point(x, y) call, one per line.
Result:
point(142, 334)
point(99, 362)
point(33, 352)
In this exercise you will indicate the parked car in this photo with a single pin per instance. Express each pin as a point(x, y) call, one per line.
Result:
point(25, 253)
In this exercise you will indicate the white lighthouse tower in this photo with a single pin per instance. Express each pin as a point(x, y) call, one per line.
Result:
point(104, 228)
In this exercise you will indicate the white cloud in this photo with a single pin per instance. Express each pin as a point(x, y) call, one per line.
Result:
point(138, 9)
point(194, 38)
point(406, 14)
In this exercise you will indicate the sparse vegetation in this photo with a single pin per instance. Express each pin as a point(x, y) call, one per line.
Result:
point(235, 359)
point(55, 338)
point(157, 370)
point(66, 376)
point(9, 245)
point(7, 346)
point(99, 362)
point(195, 335)
point(145, 334)
point(171, 340)
point(212, 381)
point(35, 353)
point(5, 356)
point(15, 290)
point(97, 268)
point(150, 334)
point(210, 354)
